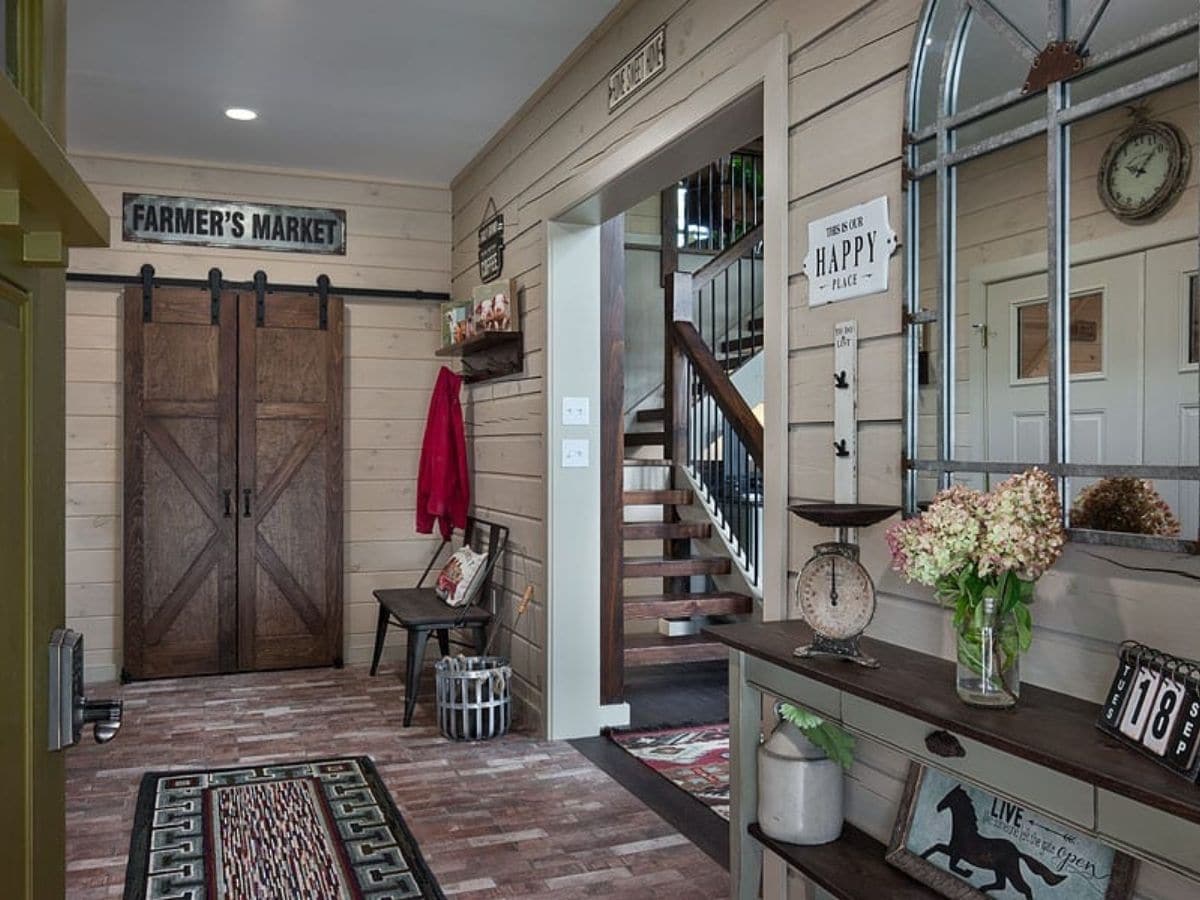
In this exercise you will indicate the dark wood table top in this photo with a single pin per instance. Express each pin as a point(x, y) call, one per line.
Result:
point(1046, 727)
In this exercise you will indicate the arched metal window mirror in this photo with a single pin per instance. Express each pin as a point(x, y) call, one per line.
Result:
point(1053, 307)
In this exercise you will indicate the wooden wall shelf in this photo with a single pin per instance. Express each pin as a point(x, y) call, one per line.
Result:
point(492, 354)
point(850, 868)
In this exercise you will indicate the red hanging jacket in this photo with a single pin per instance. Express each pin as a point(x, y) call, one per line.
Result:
point(443, 486)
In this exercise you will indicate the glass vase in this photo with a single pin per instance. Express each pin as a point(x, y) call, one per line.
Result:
point(989, 659)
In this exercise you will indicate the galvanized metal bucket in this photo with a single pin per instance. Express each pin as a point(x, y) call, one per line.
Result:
point(474, 700)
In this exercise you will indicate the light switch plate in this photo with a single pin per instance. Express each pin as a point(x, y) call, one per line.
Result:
point(575, 453)
point(576, 411)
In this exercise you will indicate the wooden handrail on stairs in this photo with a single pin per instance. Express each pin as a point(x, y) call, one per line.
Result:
point(688, 342)
point(739, 249)
point(719, 386)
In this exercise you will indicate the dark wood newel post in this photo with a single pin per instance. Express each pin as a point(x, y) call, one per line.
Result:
point(612, 464)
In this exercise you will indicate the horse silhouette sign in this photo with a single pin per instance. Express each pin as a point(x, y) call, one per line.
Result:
point(966, 843)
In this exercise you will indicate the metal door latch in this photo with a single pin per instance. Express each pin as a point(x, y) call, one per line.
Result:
point(70, 710)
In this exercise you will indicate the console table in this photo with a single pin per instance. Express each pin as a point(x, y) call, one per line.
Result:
point(1046, 754)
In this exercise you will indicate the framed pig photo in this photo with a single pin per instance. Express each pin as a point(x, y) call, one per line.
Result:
point(968, 844)
point(495, 307)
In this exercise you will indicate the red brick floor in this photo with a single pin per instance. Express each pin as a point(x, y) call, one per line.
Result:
point(511, 818)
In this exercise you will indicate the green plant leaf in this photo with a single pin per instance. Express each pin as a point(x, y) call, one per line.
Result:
point(833, 740)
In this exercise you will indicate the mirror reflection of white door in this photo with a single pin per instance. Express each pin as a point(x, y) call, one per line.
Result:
point(1172, 435)
point(1106, 365)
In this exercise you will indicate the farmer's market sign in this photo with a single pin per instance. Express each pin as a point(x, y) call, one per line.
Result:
point(149, 218)
point(638, 68)
point(848, 253)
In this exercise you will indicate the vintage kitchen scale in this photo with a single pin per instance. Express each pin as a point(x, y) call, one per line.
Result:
point(834, 593)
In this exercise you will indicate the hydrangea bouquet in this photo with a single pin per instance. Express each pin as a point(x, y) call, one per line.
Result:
point(982, 554)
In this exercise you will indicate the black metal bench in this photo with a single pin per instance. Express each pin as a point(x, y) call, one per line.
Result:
point(420, 611)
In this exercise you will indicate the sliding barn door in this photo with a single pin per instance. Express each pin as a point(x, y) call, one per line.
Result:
point(180, 475)
point(290, 481)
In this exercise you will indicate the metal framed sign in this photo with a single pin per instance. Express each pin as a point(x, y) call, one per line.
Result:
point(637, 69)
point(491, 243)
point(848, 253)
point(150, 218)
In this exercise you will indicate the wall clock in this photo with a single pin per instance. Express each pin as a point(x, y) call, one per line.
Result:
point(1144, 170)
point(834, 593)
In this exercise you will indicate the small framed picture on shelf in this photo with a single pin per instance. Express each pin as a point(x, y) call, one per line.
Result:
point(495, 307)
point(456, 321)
point(968, 844)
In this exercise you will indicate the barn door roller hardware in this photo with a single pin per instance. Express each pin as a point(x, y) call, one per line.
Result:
point(323, 300)
point(147, 292)
point(149, 282)
point(214, 291)
point(260, 298)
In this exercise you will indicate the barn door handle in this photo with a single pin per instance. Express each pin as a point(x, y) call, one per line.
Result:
point(228, 499)
point(246, 503)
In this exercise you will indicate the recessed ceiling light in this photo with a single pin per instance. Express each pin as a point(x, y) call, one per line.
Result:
point(240, 114)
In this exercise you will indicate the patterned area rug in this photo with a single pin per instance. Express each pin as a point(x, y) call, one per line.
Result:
point(695, 758)
point(319, 830)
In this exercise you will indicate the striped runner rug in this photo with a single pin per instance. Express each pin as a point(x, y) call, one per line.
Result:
point(320, 830)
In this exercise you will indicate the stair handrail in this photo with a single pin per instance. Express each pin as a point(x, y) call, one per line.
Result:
point(739, 249)
point(709, 370)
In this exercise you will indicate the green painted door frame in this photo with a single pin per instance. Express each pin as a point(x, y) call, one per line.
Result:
point(45, 208)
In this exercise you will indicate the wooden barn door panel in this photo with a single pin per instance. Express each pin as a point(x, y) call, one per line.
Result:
point(180, 460)
point(290, 482)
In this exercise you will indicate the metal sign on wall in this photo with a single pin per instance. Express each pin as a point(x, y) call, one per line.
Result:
point(848, 253)
point(149, 218)
point(637, 69)
point(491, 243)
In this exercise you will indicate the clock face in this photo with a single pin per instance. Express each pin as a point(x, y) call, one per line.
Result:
point(1143, 171)
point(835, 596)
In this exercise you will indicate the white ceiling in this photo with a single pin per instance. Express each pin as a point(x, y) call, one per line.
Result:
point(396, 89)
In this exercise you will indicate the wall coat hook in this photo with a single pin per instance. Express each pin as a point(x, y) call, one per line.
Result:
point(840, 449)
point(841, 380)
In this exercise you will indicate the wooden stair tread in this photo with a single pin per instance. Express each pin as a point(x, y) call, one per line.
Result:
point(645, 439)
point(648, 463)
point(654, 566)
point(650, 415)
point(655, 606)
point(640, 531)
point(656, 650)
point(658, 498)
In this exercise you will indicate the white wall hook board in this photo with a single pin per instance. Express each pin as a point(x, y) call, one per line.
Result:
point(845, 412)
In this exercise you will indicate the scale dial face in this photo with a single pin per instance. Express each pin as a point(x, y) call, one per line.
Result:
point(835, 595)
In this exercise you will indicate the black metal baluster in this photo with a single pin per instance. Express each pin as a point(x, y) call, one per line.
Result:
point(725, 355)
point(741, 322)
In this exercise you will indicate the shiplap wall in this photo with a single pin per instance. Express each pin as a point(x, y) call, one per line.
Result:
point(848, 69)
point(398, 237)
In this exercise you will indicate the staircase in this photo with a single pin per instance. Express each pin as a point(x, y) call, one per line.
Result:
point(689, 546)
point(654, 514)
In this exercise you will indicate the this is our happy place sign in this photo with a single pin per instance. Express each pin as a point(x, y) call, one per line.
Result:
point(149, 218)
point(848, 253)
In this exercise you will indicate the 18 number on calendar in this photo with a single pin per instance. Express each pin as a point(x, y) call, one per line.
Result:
point(1154, 703)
